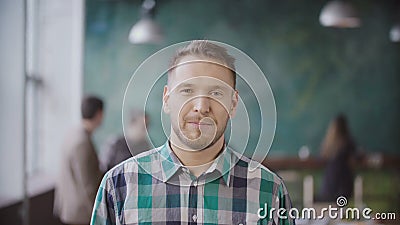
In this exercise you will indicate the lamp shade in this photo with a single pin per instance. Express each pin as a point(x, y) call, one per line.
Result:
point(146, 31)
point(339, 14)
point(395, 33)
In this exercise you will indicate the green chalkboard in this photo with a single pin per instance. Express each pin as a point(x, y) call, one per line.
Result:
point(315, 72)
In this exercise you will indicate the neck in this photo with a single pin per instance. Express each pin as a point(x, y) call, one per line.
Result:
point(88, 126)
point(198, 158)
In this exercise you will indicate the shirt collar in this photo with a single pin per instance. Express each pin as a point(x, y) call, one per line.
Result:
point(170, 164)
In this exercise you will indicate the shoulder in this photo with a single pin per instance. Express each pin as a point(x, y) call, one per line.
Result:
point(266, 185)
point(113, 146)
point(118, 143)
point(76, 136)
point(77, 145)
point(133, 165)
point(258, 171)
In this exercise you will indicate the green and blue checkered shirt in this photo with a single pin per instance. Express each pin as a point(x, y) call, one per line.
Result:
point(155, 188)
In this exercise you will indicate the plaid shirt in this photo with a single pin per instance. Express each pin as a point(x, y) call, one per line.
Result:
point(155, 188)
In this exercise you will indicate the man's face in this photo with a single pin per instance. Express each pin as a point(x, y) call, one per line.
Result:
point(98, 118)
point(200, 99)
point(137, 129)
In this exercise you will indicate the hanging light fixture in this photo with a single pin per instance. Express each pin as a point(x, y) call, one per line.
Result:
point(146, 30)
point(339, 14)
point(395, 33)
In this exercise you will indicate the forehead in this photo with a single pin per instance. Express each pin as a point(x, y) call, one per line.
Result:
point(190, 67)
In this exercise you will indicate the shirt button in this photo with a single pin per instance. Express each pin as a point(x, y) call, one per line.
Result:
point(194, 217)
point(195, 184)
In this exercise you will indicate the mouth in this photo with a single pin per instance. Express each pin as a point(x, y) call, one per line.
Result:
point(205, 122)
point(198, 123)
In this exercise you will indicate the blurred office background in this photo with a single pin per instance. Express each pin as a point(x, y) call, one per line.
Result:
point(53, 52)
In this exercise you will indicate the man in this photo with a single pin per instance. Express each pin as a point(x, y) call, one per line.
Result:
point(124, 147)
point(79, 174)
point(194, 178)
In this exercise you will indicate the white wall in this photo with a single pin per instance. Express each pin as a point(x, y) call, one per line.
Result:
point(57, 52)
point(60, 65)
point(11, 96)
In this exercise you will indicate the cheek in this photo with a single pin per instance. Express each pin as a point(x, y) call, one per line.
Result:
point(181, 103)
point(183, 110)
point(179, 109)
point(220, 111)
point(222, 105)
point(176, 101)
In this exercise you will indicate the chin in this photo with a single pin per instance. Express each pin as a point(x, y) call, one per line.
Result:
point(196, 145)
point(199, 144)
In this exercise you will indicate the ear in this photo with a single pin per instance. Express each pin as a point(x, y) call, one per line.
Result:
point(235, 100)
point(165, 100)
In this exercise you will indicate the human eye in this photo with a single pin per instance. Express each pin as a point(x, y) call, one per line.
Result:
point(217, 93)
point(186, 91)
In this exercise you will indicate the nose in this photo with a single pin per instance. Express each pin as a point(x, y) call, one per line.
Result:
point(201, 105)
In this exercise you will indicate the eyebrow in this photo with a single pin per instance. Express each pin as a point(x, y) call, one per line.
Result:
point(183, 85)
point(219, 87)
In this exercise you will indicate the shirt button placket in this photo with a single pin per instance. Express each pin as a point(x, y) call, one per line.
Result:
point(193, 195)
point(194, 217)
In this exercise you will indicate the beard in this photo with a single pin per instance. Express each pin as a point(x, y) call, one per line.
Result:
point(198, 139)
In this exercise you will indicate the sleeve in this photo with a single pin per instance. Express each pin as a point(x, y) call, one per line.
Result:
point(286, 205)
point(85, 166)
point(108, 154)
point(104, 209)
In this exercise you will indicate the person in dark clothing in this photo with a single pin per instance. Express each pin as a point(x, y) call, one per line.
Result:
point(123, 147)
point(338, 149)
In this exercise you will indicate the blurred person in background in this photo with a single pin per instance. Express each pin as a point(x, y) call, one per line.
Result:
point(338, 149)
point(123, 147)
point(79, 174)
